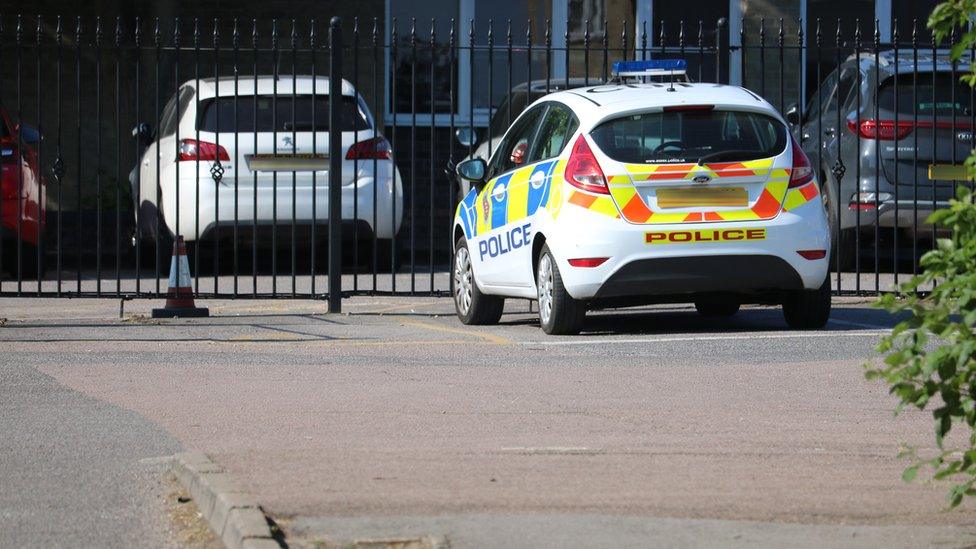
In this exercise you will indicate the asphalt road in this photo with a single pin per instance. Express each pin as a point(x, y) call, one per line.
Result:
point(653, 427)
point(76, 471)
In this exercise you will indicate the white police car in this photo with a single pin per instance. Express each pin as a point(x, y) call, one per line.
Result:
point(630, 193)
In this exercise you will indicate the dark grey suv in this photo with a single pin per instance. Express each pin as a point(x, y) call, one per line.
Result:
point(875, 125)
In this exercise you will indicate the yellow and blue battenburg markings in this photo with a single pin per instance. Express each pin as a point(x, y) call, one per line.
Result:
point(526, 190)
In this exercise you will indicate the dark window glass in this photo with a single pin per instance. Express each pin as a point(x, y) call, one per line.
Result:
point(170, 119)
point(513, 151)
point(687, 136)
point(558, 126)
point(222, 109)
point(944, 103)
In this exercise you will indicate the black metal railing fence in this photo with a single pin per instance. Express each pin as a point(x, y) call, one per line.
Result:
point(87, 102)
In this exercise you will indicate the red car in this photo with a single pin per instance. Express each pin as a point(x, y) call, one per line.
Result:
point(22, 197)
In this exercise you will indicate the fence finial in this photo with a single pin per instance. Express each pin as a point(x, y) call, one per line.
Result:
point(681, 34)
point(59, 32)
point(40, 30)
point(118, 31)
point(294, 31)
point(762, 32)
point(877, 35)
point(817, 34)
point(254, 33)
point(376, 32)
point(508, 32)
point(236, 35)
point(176, 33)
point(780, 34)
point(857, 33)
point(196, 33)
point(216, 34)
point(18, 30)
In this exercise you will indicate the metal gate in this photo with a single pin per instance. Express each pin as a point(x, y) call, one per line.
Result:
point(117, 134)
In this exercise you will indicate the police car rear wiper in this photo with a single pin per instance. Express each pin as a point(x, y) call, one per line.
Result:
point(723, 154)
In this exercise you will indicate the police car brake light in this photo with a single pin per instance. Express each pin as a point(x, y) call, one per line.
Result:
point(693, 108)
point(583, 171)
point(802, 172)
point(649, 67)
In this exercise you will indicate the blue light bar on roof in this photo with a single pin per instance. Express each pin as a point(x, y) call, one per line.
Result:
point(649, 67)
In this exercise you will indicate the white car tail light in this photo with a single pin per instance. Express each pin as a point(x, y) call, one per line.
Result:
point(192, 150)
point(375, 148)
point(583, 171)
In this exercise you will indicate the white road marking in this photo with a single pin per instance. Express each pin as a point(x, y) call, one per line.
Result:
point(857, 333)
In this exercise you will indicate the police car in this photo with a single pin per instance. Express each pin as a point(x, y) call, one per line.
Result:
point(635, 192)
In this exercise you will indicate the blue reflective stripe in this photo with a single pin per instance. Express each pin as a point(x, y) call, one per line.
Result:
point(499, 206)
point(539, 197)
point(467, 211)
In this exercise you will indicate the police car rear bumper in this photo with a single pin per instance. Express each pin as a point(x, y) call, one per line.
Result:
point(708, 263)
point(694, 275)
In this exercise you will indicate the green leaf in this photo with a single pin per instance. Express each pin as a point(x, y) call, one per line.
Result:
point(909, 474)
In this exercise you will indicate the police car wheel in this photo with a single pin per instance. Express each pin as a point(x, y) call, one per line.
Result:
point(559, 312)
point(472, 306)
point(808, 309)
point(717, 308)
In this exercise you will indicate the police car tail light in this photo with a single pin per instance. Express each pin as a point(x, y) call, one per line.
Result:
point(374, 148)
point(588, 261)
point(193, 150)
point(583, 171)
point(802, 172)
point(882, 130)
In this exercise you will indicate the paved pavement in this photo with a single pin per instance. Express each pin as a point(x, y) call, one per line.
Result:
point(654, 426)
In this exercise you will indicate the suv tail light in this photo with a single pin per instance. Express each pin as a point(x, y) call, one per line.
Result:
point(191, 149)
point(583, 171)
point(375, 148)
point(802, 172)
point(882, 130)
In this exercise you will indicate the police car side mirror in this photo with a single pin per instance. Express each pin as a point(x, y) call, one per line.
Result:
point(473, 170)
point(793, 114)
point(467, 137)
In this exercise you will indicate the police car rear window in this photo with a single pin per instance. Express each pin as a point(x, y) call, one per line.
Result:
point(690, 135)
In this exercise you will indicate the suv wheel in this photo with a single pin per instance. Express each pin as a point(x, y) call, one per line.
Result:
point(559, 312)
point(472, 306)
point(808, 309)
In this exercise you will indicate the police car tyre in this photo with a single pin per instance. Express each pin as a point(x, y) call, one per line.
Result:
point(717, 308)
point(559, 312)
point(808, 309)
point(472, 306)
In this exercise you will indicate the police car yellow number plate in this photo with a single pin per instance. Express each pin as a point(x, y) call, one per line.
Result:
point(692, 197)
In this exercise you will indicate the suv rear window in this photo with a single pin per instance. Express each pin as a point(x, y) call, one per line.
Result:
point(943, 104)
point(222, 109)
point(687, 136)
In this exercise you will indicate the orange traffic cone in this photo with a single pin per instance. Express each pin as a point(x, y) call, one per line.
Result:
point(179, 296)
